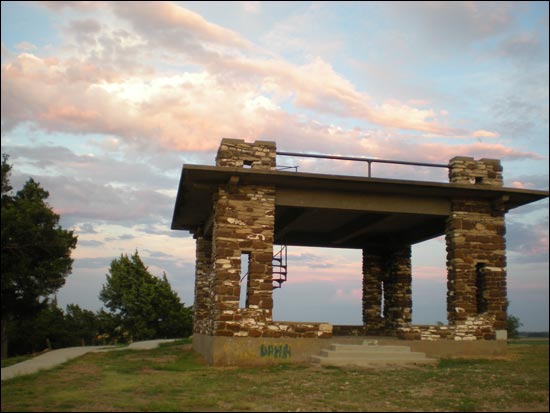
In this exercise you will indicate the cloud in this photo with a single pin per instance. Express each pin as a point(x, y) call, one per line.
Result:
point(76, 5)
point(123, 237)
point(90, 243)
point(482, 133)
point(428, 272)
point(448, 26)
point(106, 169)
point(237, 94)
point(79, 201)
point(176, 112)
point(252, 7)
point(521, 47)
point(528, 181)
point(348, 295)
point(86, 229)
point(93, 263)
point(25, 46)
point(100, 96)
point(169, 25)
point(528, 242)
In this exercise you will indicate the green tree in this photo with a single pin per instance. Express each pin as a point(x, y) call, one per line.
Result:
point(36, 251)
point(46, 329)
point(512, 326)
point(110, 329)
point(147, 305)
point(82, 326)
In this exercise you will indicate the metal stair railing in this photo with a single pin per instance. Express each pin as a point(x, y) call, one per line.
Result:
point(280, 268)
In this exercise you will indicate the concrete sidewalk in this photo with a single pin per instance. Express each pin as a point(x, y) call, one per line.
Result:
point(56, 357)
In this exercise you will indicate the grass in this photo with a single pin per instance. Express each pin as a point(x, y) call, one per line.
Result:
point(173, 378)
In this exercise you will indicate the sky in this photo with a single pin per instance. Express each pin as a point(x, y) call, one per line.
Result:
point(104, 102)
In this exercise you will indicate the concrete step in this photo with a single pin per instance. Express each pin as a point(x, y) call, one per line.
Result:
point(380, 362)
point(370, 354)
point(368, 349)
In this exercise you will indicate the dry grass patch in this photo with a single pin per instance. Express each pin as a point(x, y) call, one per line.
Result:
point(122, 381)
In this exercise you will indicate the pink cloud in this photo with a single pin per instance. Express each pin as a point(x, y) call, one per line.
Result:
point(318, 87)
point(314, 85)
point(482, 133)
point(477, 149)
point(232, 95)
point(429, 273)
point(169, 23)
point(70, 114)
point(348, 295)
point(517, 184)
point(194, 111)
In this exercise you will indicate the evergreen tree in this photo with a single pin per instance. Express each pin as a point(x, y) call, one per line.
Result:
point(147, 305)
point(82, 326)
point(36, 251)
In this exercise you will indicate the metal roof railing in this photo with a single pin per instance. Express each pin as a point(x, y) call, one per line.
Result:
point(369, 161)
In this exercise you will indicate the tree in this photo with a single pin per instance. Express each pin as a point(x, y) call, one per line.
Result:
point(82, 326)
point(512, 326)
point(46, 329)
point(147, 305)
point(53, 328)
point(36, 251)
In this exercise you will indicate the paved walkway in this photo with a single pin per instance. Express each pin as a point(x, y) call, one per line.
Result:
point(56, 357)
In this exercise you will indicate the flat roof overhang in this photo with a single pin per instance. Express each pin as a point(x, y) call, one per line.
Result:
point(337, 211)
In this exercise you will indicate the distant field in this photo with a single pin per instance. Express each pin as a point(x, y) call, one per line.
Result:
point(535, 341)
point(173, 378)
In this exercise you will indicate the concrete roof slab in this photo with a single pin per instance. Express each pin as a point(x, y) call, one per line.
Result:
point(340, 211)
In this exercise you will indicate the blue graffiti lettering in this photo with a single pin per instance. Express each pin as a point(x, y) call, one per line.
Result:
point(281, 351)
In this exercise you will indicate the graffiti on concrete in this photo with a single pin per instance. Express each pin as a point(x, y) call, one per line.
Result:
point(278, 351)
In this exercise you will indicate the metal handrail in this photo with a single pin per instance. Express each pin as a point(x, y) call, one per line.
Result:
point(368, 160)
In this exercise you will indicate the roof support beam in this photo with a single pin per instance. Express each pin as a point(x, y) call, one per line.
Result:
point(362, 201)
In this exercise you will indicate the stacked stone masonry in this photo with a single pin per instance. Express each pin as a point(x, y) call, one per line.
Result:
point(476, 249)
point(243, 224)
point(386, 277)
point(476, 269)
point(466, 170)
point(202, 308)
point(237, 153)
point(473, 328)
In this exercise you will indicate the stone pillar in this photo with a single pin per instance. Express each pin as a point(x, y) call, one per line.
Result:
point(476, 250)
point(203, 306)
point(373, 275)
point(387, 275)
point(244, 223)
point(397, 288)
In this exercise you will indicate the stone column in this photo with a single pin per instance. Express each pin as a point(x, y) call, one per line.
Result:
point(476, 250)
point(244, 223)
point(202, 306)
point(397, 288)
point(387, 276)
point(373, 275)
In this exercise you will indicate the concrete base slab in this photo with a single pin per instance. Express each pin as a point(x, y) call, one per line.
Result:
point(246, 351)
